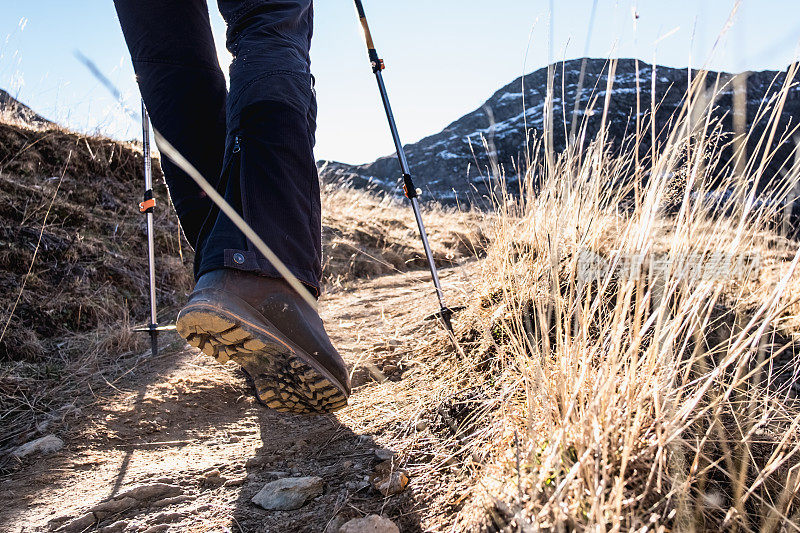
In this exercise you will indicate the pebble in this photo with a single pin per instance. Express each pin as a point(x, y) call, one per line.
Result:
point(160, 528)
point(421, 425)
point(173, 500)
point(41, 446)
point(276, 473)
point(256, 461)
point(383, 454)
point(288, 493)
point(152, 491)
point(355, 486)
point(213, 482)
point(81, 523)
point(387, 480)
point(112, 507)
point(117, 527)
point(167, 518)
point(370, 524)
point(335, 523)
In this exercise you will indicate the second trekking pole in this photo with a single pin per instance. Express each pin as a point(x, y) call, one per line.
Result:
point(411, 192)
point(147, 207)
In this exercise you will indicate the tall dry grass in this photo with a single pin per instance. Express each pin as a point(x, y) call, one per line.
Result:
point(629, 357)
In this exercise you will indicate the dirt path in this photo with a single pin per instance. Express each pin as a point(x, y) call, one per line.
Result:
point(185, 430)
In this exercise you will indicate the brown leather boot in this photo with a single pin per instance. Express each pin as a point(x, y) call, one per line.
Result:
point(280, 341)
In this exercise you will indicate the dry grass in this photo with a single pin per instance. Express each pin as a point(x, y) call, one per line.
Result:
point(658, 398)
point(365, 235)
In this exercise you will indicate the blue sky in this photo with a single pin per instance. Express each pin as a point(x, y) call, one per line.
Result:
point(444, 57)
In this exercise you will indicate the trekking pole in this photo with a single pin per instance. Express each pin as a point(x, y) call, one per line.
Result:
point(148, 207)
point(411, 192)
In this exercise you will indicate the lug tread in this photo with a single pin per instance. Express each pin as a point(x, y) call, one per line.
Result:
point(282, 379)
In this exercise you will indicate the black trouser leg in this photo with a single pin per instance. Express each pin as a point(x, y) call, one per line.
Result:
point(183, 87)
point(268, 173)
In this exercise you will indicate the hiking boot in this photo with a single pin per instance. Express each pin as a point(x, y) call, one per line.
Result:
point(279, 340)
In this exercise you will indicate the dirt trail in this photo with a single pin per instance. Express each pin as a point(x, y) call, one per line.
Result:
point(187, 428)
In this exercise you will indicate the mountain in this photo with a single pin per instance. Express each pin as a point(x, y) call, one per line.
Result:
point(12, 109)
point(449, 164)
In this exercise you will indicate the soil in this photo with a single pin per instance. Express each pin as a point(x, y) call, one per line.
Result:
point(188, 430)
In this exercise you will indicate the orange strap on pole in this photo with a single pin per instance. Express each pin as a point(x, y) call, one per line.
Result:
point(147, 205)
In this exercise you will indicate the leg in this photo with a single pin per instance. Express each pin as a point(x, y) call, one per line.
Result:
point(269, 174)
point(239, 309)
point(176, 65)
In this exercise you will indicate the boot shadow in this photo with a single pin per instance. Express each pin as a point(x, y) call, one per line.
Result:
point(320, 446)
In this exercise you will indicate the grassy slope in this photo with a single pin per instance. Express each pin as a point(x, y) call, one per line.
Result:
point(653, 399)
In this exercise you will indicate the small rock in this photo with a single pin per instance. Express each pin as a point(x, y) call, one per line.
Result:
point(112, 507)
point(258, 460)
point(335, 524)
point(167, 518)
point(347, 465)
point(370, 524)
point(152, 491)
point(81, 523)
point(383, 454)
point(116, 527)
point(213, 479)
point(173, 500)
point(387, 480)
point(421, 425)
point(356, 486)
point(288, 493)
point(236, 482)
point(41, 446)
point(395, 483)
point(160, 528)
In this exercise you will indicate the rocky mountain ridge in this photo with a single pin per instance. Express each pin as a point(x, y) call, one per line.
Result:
point(452, 165)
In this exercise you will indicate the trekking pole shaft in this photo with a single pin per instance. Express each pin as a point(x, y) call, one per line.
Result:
point(398, 145)
point(401, 157)
point(426, 245)
point(148, 184)
point(408, 184)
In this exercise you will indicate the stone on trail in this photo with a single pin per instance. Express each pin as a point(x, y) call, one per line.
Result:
point(370, 524)
point(387, 480)
point(42, 446)
point(82, 523)
point(151, 491)
point(288, 494)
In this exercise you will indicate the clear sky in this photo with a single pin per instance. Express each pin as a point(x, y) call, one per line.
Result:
point(444, 57)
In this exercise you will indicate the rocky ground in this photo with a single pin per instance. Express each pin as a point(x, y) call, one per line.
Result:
point(181, 446)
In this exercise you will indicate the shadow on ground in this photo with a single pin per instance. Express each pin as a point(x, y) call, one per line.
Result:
point(188, 430)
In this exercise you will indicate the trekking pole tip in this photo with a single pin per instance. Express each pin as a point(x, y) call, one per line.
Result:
point(444, 315)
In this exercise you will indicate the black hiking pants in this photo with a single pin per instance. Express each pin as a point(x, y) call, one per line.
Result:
point(254, 143)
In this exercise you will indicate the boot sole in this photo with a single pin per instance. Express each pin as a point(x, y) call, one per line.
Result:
point(284, 377)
